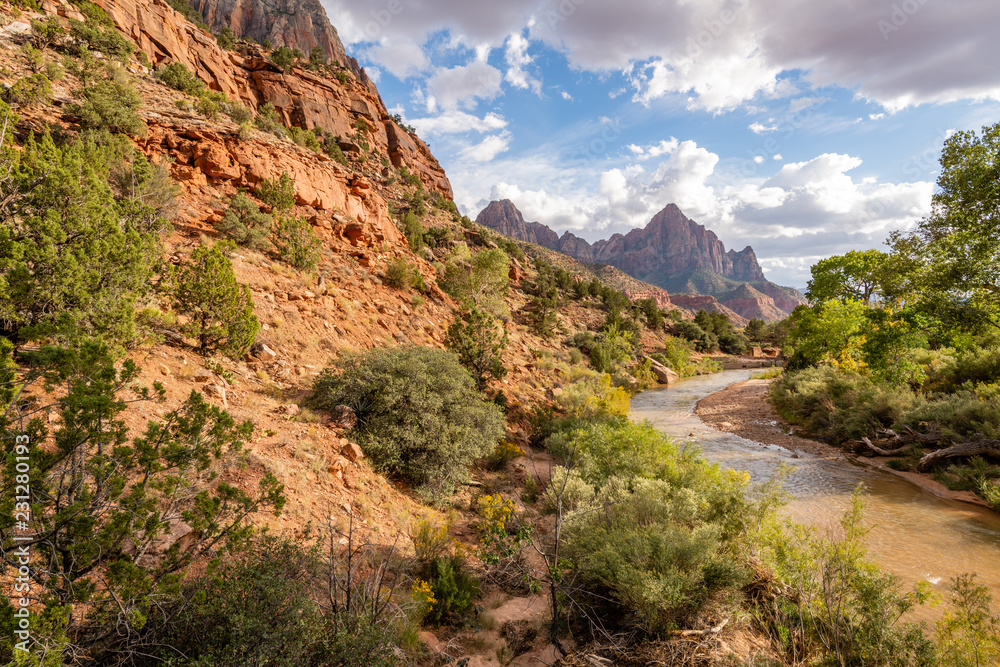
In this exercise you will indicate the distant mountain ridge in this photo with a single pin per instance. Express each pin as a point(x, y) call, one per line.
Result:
point(672, 252)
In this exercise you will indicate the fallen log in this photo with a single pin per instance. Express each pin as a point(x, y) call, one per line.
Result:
point(886, 452)
point(701, 633)
point(974, 448)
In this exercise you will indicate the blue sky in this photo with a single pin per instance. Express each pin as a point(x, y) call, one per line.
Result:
point(800, 127)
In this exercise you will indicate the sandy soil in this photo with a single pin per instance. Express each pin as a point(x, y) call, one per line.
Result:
point(743, 409)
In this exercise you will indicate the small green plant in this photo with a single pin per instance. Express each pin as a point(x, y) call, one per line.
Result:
point(100, 36)
point(479, 340)
point(111, 103)
point(296, 242)
point(969, 635)
point(283, 57)
point(244, 223)
point(30, 90)
point(177, 76)
point(226, 39)
point(46, 32)
point(504, 454)
point(277, 193)
point(430, 541)
point(267, 120)
point(419, 415)
point(453, 587)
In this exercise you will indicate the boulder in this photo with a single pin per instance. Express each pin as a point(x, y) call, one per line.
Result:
point(663, 374)
point(343, 416)
point(352, 452)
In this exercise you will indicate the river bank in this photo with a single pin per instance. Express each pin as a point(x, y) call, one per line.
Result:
point(742, 409)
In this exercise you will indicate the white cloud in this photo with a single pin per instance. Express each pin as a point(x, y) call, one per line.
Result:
point(464, 84)
point(457, 122)
point(876, 116)
point(566, 96)
point(400, 56)
point(488, 148)
point(720, 53)
point(517, 59)
point(759, 128)
point(777, 156)
point(664, 147)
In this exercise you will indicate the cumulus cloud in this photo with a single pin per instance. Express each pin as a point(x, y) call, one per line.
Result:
point(760, 128)
point(488, 148)
point(465, 84)
point(718, 52)
point(457, 122)
point(400, 56)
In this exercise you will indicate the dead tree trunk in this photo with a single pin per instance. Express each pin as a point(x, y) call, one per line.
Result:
point(975, 448)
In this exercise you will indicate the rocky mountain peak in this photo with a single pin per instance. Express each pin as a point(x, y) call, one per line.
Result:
point(295, 24)
point(672, 252)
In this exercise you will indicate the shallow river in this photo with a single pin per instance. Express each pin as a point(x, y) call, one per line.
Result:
point(915, 534)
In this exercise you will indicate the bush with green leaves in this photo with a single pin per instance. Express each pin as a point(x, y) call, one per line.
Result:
point(111, 103)
point(413, 231)
point(177, 76)
point(94, 35)
point(402, 275)
point(479, 340)
point(969, 634)
point(304, 138)
point(605, 448)
point(420, 417)
point(226, 39)
point(46, 32)
point(480, 282)
point(654, 550)
point(454, 589)
point(265, 606)
point(296, 243)
point(268, 120)
point(702, 340)
point(104, 500)
point(81, 240)
point(843, 609)
point(245, 224)
point(283, 57)
point(220, 309)
point(30, 90)
point(277, 193)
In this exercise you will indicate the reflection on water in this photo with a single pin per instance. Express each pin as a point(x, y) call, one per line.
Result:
point(914, 533)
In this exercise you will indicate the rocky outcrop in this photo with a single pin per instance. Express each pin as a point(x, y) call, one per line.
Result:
point(296, 24)
point(750, 304)
point(202, 155)
point(502, 216)
point(302, 98)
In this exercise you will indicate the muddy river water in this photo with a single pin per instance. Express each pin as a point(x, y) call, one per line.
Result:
point(915, 534)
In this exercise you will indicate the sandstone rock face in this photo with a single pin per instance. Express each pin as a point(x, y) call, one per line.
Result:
point(202, 153)
point(300, 97)
point(296, 24)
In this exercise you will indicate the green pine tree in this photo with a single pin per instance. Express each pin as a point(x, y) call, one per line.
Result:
point(221, 310)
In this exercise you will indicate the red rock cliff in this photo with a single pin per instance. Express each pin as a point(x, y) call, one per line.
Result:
point(301, 97)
